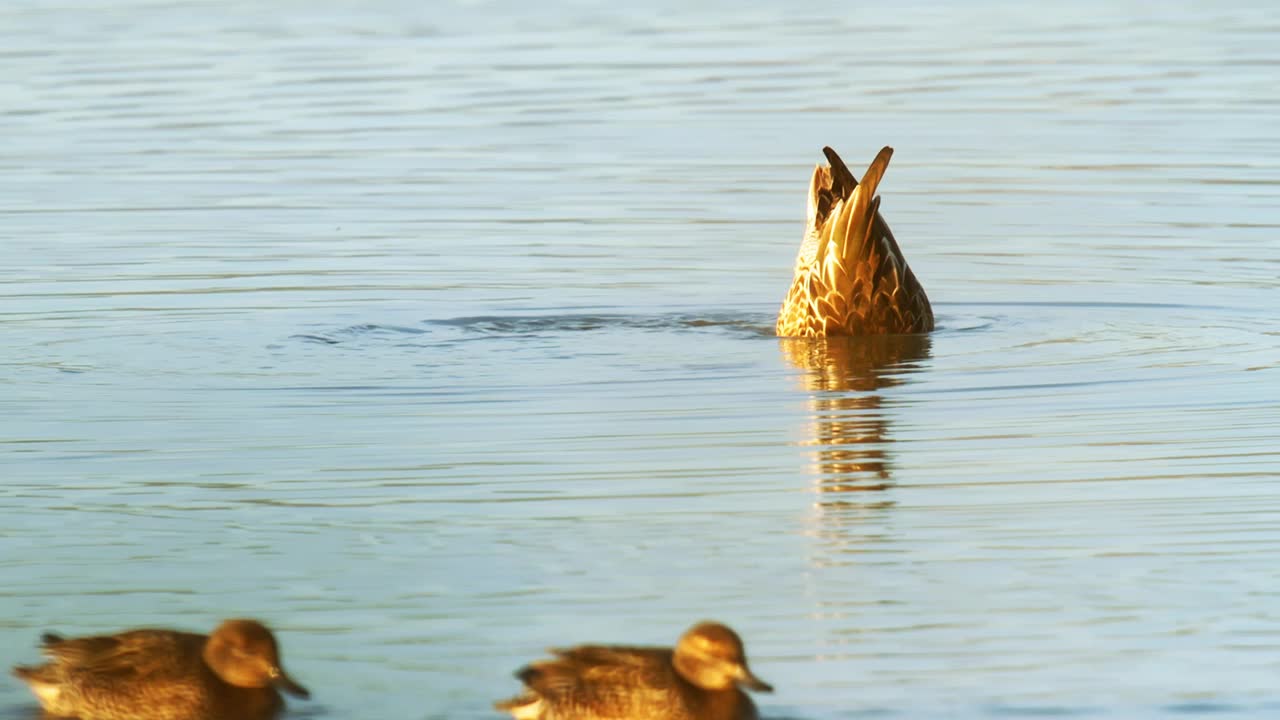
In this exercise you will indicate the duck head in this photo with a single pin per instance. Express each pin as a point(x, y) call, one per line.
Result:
point(711, 656)
point(244, 653)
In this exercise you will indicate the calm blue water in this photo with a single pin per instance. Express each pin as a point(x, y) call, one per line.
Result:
point(436, 335)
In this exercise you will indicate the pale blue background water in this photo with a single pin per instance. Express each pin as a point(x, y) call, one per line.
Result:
point(435, 334)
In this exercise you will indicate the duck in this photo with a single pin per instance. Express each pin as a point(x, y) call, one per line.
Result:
point(851, 277)
point(153, 674)
point(702, 678)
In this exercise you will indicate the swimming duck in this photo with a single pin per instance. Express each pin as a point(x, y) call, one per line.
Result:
point(163, 675)
point(851, 277)
point(699, 680)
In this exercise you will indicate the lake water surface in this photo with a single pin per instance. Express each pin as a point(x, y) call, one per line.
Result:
point(434, 335)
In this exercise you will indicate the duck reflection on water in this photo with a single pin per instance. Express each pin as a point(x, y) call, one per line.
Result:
point(851, 429)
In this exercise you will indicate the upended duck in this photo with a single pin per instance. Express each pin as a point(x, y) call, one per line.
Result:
point(701, 679)
point(851, 277)
point(148, 674)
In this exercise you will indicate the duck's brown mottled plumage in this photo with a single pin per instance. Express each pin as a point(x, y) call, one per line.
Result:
point(700, 679)
point(851, 277)
point(163, 675)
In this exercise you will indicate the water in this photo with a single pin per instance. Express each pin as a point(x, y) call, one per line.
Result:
point(437, 335)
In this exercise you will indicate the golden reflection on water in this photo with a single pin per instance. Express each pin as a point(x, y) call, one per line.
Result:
point(851, 429)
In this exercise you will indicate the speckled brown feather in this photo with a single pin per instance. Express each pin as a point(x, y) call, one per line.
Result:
point(140, 675)
point(602, 682)
point(850, 276)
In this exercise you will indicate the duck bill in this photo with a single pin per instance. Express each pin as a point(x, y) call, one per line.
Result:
point(283, 682)
point(751, 682)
